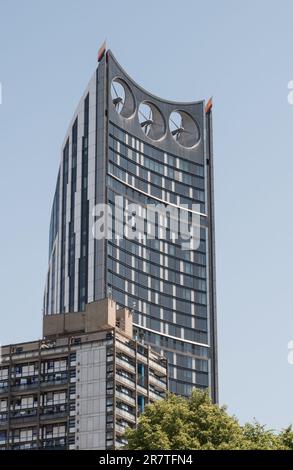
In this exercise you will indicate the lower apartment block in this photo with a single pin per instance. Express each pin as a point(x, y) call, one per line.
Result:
point(79, 387)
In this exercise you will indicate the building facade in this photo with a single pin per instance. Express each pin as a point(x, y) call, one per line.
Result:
point(78, 390)
point(125, 144)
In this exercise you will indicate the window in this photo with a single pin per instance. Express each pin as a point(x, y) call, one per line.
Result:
point(3, 405)
point(4, 373)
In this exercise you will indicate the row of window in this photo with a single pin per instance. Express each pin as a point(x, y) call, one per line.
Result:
point(133, 302)
point(196, 319)
point(31, 433)
point(27, 370)
point(161, 279)
point(131, 280)
point(172, 197)
point(184, 389)
point(170, 247)
point(189, 376)
point(146, 224)
point(149, 207)
point(30, 401)
point(140, 198)
point(159, 247)
point(162, 344)
point(53, 378)
point(156, 260)
point(165, 299)
point(131, 159)
point(172, 329)
point(185, 185)
point(159, 325)
point(162, 246)
point(155, 153)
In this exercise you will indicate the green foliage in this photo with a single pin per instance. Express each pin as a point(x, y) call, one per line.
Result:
point(177, 423)
point(286, 438)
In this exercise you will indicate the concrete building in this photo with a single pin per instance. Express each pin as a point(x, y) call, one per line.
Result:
point(124, 141)
point(81, 385)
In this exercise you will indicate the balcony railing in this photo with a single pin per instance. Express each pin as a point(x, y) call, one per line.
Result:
point(142, 390)
point(119, 444)
point(158, 367)
point(53, 416)
point(142, 358)
point(29, 386)
point(125, 380)
point(125, 414)
point(22, 419)
point(49, 383)
point(155, 396)
point(55, 444)
point(158, 382)
point(126, 365)
point(120, 429)
point(123, 347)
point(125, 397)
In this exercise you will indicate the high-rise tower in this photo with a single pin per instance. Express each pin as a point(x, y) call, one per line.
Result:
point(123, 146)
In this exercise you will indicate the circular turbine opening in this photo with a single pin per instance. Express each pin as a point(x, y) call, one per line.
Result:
point(184, 129)
point(122, 98)
point(151, 120)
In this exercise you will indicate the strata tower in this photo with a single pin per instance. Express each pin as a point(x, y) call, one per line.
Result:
point(126, 146)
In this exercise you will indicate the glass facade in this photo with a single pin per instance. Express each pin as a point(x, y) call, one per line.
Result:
point(164, 284)
point(71, 247)
point(84, 220)
point(64, 224)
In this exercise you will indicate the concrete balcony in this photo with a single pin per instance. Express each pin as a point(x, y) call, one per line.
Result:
point(124, 414)
point(54, 416)
point(162, 385)
point(125, 381)
point(25, 387)
point(155, 396)
point(125, 365)
point(142, 358)
point(119, 429)
point(142, 390)
point(125, 398)
point(124, 348)
point(157, 367)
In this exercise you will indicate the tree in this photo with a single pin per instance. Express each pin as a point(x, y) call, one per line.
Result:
point(177, 423)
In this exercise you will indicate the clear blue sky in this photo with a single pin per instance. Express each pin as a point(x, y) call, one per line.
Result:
point(239, 52)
